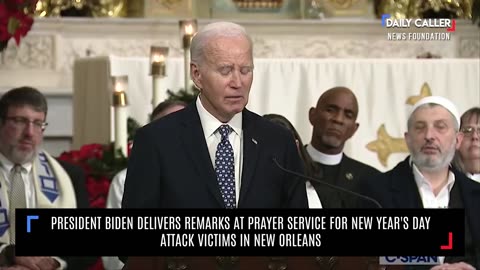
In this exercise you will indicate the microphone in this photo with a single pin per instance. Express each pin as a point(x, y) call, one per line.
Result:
point(327, 184)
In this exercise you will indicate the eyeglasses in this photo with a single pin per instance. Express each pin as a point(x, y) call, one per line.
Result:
point(468, 131)
point(22, 122)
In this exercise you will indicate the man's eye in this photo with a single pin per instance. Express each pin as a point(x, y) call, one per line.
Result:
point(225, 70)
point(245, 70)
point(419, 127)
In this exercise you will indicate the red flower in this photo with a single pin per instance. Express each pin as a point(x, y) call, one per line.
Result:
point(16, 19)
point(98, 265)
point(4, 16)
point(18, 25)
point(129, 147)
point(99, 164)
point(94, 150)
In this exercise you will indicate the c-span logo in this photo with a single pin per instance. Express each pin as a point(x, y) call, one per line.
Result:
point(409, 260)
point(442, 28)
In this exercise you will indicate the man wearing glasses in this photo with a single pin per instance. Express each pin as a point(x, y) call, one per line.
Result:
point(30, 177)
point(468, 155)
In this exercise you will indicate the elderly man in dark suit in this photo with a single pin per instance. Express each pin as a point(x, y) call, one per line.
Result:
point(426, 179)
point(334, 122)
point(215, 153)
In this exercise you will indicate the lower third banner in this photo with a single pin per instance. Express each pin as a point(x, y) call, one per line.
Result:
point(240, 232)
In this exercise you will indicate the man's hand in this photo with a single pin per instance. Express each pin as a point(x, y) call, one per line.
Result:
point(37, 263)
point(453, 266)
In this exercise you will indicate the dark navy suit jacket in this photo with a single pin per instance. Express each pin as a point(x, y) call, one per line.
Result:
point(170, 166)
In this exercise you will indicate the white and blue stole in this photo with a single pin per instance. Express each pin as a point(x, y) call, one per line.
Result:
point(53, 189)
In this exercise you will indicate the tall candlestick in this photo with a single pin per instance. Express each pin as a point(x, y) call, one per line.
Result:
point(157, 60)
point(157, 92)
point(188, 28)
point(120, 114)
point(187, 79)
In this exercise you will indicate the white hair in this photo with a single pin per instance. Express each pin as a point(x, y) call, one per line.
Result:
point(213, 30)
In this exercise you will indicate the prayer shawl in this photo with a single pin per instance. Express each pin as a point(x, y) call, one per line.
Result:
point(53, 189)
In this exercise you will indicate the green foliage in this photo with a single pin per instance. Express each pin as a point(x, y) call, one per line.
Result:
point(185, 96)
point(111, 162)
point(132, 126)
point(182, 95)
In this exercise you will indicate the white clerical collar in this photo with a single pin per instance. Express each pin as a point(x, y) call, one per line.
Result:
point(210, 124)
point(323, 158)
point(475, 177)
point(8, 165)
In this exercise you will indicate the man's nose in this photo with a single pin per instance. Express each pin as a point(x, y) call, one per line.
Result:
point(29, 129)
point(236, 80)
point(429, 134)
point(338, 117)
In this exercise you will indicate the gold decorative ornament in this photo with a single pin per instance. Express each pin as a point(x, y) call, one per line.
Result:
point(400, 9)
point(424, 92)
point(95, 8)
point(345, 8)
point(343, 4)
point(385, 145)
point(258, 4)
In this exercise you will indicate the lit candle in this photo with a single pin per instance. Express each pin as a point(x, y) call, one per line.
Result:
point(188, 28)
point(120, 114)
point(157, 59)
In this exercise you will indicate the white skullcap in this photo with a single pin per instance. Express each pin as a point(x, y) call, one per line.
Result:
point(447, 104)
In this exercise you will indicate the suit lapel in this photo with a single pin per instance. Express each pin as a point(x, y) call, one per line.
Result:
point(196, 148)
point(250, 154)
point(345, 174)
point(405, 192)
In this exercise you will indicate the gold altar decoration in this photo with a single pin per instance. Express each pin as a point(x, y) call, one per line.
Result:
point(170, 8)
point(258, 4)
point(400, 9)
point(424, 92)
point(97, 8)
point(385, 145)
point(336, 8)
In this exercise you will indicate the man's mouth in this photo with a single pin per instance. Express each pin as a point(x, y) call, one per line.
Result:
point(430, 149)
point(333, 131)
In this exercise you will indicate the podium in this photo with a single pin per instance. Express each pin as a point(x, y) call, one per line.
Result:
point(256, 263)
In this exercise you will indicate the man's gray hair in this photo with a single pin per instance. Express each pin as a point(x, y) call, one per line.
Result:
point(213, 30)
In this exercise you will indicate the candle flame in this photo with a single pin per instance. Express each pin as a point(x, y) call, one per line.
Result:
point(118, 87)
point(158, 58)
point(189, 29)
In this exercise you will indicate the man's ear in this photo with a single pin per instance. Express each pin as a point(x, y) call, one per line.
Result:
point(195, 75)
point(354, 129)
point(459, 138)
point(407, 139)
point(311, 115)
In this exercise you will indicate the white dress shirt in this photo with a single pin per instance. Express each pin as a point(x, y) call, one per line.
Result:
point(475, 177)
point(429, 199)
point(314, 200)
point(210, 124)
point(27, 177)
point(115, 192)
